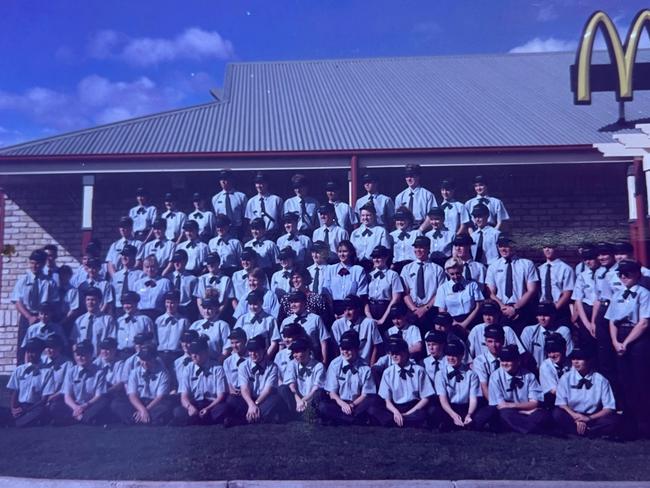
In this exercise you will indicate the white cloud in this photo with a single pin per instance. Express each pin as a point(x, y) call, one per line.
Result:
point(194, 44)
point(539, 45)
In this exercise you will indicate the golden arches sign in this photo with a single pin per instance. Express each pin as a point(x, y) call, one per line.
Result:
point(620, 74)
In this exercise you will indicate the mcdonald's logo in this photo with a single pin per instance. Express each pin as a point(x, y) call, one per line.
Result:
point(623, 74)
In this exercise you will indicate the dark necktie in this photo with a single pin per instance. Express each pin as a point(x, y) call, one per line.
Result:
point(371, 199)
point(326, 239)
point(468, 272)
point(403, 373)
point(478, 256)
point(262, 207)
point(350, 368)
point(515, 382)
point(457, 287)
point(177, 282)
point(436, 366)
point(89, 329)
point(508, 291)
point(35, 294)
point(256, 318)
point(583, 383)
point(228, 206)
point(258, 368)
point(497, 364)
point(559, 370)
point(410, 204)
point(455, 373)
point(419, 286)
point(316, 279)
point(303, 211)
point(125, 283)
point(628, 293)
point(548, 290)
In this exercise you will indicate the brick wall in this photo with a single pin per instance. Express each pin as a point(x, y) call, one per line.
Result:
point(572, 203)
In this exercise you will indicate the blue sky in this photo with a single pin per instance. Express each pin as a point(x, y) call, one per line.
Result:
point(71, 64)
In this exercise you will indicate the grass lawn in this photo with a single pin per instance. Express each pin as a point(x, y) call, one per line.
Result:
point(307, 451)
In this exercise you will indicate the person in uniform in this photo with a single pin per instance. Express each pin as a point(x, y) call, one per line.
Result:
point(345, 277)
point(230, 202)
point(384, 206)
point(513, 284)
point(195, 249)
point(183, 362)
point(303, 205)
point(403, 238)
point(488, 362)
point(281, 279)
point(228, 247)
point(457, 217)
point(320, 254)
point(330, 233)
point(186, 283)
point(312, 324)
point(169, 328)
point(553, 367)
point(215, 329)
point(533, 337)
point(215, 284)
point(303, 380)
point(237, 356)
point(265, 205)
point(585, 296)
point(257, 280)
point(160, 247)
point(628, 315)
point(344, 216)
point(435, 360)
point(491, 314)
point(440, 235)
point(365, 327)
point(459, 297)
point(130, 324)
point(203, 217)
point(417, 199)
point(30, 385)
point(368, 236)
point(257, 322)
point(421, 282)
point(94, 280)
point(93, 326)
point(349, 384)
point(300, 244)
point(202, 389)
point(258, 383)
point(404, 329)
point(143, 215)
point(45, 327)
point(498, 212)
point(124, 279)
point(53, 358)
point(174, 218)
point(484, 237)
point(152, 289)
point(461, 249)
point(125, 229)
point(265, 248)
point(385, 288)
point(585, 404)
point(516, 396)
point(557, 280)
point(115, 371)
point(405, 389)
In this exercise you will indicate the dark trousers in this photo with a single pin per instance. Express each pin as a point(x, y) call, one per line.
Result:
point(607, 425)
point(190, 311)
point(486, 417)
point(634, 379)
point(33, 414)
point(168, 358)
point(442, 420)
point(290, 401)
point(160, 414)
point(606, 353)
point(215, 416)
point(534, 423)
point(384, 417)
point(23, 325)
point(377, 309)
point(524, 318)
point(97, 413)
point(329, 410)
point(583, 336)
point(270, 408)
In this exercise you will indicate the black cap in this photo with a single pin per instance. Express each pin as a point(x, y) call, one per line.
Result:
point(258, 223)
point(259, 177)
point(443, 319)
point(480, 179)
point(238, 334)
point(480, 210)
point(108, 343)
point(436, 336)
point(148, 352)
point(93, 291)
point(287, 253)
point(38, 255)
point(398, 310)
point(490, 308)
point(397, 346)
point(369, 207)
point(255, 296)
point(248, 254)
point(448, 184)
point(290, 217)
point(199, 345)
point(623, 247)
point(368, 177)
point(173, 295)
point(221, 220)
point(629, 266)
point(143, 338)
point(94, 263)
point(494, 331)
point(210, 302)
point(125, 222)
point(297, 296)
point(331, 186)
point(179, 256)
point(582, 352)
point(319, 246)
point(46, 307)
point(131, 297)
point(555, 343)
point(213, 259)
point(257, 343)
point(54, 341)
point(546, 308)
point(141, 192)
point(380, 252)
point(604, 248)
point(84, 347)
point(504, 241)
point(299, 345)
point(454, 348)
point(129, 250)
point(191, 225)
point(197, 197)
point(412, 170)
point(349, 340)
point(35, 344)
point(298, 181)
point(422, 241)
point(462, 240)
point(225, 174)
point(509, 353)
point(169, 197)
point(327, 208)
point(292, 330)
point(439, 258)
point(589, 253)
point(436, 212)
point(189, 336)
point(352, 301)
point(403, 214)
point(160, 224)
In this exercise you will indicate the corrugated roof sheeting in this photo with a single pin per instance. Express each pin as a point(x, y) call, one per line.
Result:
point(356, 104)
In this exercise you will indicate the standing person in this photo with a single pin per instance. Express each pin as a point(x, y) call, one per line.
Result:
point(113, 262)
point(184, 282)
point(368, 236)
point(344, 216)
point(152, 288)
point(320, 255)
point(484, 236)
point(460, 298)
point(240, 281)
point(94, 325)
point(585, 296)
point(403, 238)
point(557, 280)
point(230, 202)
point(533, 337)
point(513, 284)
point(195, 249)
point(472, 270)
point(457, 218)
point(174, 218)
point(415, 198)
point(628, 316)
point(265, 205)
point(606, 353)
point(203, 217)
point(421, 282)
point(124, 279)
point(345, 278)
point(160, 247)
point(301, 244)
point(170, 327)
point(51, 268)
point(330, 233)
point(303, 205)
point(384, 290)
point(143, 215)
point(384, 206)
point(267, 251)
point(227, 246)
point(281, 279)
point(94, 280)
point(366, 328)
point(45, 327)
point(498, 212)
point(440, 235)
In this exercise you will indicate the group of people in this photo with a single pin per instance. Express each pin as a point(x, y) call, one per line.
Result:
point(404, 312)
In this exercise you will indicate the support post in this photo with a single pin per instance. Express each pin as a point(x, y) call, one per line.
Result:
point(354, 179)
point(638, 211)
point(88, 194)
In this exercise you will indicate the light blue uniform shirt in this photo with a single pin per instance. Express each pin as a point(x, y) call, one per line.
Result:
point(143, 217)
point(84, 384)
point(103, 326)
point(222, 285)
point(410, 333)
point(489, 244)
point(204, 219)
point(562, 279)
point(307, 377)
point(259, 324)
point(229, 250)
point(526, 387)
point(114, 254)
point(270, 305)
point(272, 214)
point(175, 221)
point(331, 235)
point(237, 204)
point(383, 205)
point(339, 285)
point(369, 335)
point(350, 384)
point(585, 288)
point(434, 277)
point(162, 249)
point(47, 291)
point(629, 310)
point(458, 302)
point(582, 399)
point(267, 251)
point(456, 214)
point(441, 240)
point(257, 381)
point(197, 253)
point(550, 374)
point(383, 283)
point(476, 340)
point(523, 272)
point(152, 292)
point(205, 382)
point(32, 382)
point(413, 387)
point(301, 244)
point(169, 330)
point(533, 338)
point(217, 333)
point(423, 201)
point(458, 390)
point(497, 209)
point(308, 220)
point(118, 283)
point(148, 385)
point(365, 239)
point(128, 326)
point(187, 285)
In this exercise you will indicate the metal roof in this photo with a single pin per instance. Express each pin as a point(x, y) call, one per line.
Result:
point(470, 101)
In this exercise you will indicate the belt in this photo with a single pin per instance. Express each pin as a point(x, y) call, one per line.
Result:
point(623, 323)
point(604, 302)
point(378, 302)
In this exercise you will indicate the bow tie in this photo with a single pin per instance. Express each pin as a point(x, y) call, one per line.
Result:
point(304, 371)
point(343, 272)
point(300, 320)
point(559, 370)
point(171, 215)
point(150, 283)
point(215, 279)
point(129, 319)
point(403, 235)
point(258, 368)
point(584, 382)
point(516, 382)
point(244, 277)
point(627, 293)
point(366, 233)
point(349, 367)
point(32, 369)
point(379, 275)
point(403, 373)
point(159, 245)
point(457, 287)
point(108, 367)
point(286, 275)
point(291, 237)
point(198, 215)
point(240, 360)
point(83, 372)
point(258, 243)
point(170, 320)
point(221, 241)
point(191, 245)
point(187, 361)
point(141, 211)
point(483, 200)
point(455, 373)
point(437, 234)
point(446, 205)
point(497, 364)
point(204, 371)
point(207, 324)
point(256, 318)
point(148, 376)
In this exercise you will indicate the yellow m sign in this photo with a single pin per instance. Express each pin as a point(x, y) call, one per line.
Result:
point(620, 76)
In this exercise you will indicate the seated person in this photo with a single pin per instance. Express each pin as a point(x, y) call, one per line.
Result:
point(304, 378)
point(553, 367)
